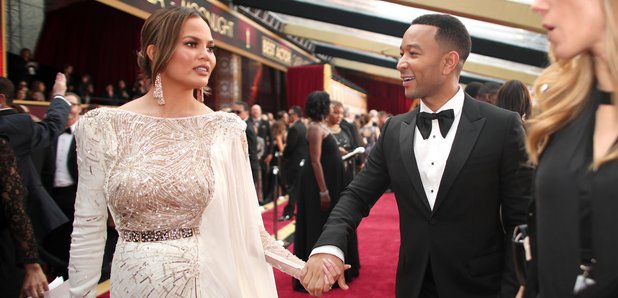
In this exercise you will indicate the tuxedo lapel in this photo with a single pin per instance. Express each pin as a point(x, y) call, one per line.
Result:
point(406, 147)
point(470, 126)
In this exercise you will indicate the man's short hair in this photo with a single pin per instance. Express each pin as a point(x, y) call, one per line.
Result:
point(8, 89)
point(244, 105)
point(297, 111)
point(451, 31)
point(79, 99)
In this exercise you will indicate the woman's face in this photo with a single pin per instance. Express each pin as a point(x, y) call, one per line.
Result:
point(573, 26)
point(194, 59)
point(335, 115)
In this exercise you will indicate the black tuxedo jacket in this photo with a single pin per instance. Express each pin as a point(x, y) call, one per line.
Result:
point(25, 136)
point(263, 131)
point(296, 149)
point(252, 148)
point(483, 194)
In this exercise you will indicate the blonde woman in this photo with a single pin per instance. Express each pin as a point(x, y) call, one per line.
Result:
point(573, 141)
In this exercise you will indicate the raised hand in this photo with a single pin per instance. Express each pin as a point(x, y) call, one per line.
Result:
point(60, 85)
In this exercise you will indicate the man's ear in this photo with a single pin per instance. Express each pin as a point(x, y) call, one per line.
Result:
point(151, 52)
point(450, 62)
point(2, 99)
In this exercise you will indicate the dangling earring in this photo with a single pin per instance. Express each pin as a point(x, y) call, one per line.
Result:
point(200, 96)
point(158, 91)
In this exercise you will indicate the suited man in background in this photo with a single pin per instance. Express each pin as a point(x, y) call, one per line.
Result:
point(241, 109)
point(59, 176)
point(458, 169)
point(296, 149)
point(262, 130)
point(26, 136)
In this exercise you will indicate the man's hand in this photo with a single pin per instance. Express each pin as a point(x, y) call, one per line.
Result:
point(60, 86)
point(320, 273)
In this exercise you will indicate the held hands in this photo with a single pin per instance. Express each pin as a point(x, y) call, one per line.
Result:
point(320, 273)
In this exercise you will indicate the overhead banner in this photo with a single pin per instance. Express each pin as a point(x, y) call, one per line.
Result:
point(231, 30)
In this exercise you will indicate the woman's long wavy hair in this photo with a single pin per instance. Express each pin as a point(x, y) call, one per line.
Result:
point(563, 89)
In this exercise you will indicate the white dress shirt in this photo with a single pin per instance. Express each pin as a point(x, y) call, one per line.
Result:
point(62, 177)
point(431, 156)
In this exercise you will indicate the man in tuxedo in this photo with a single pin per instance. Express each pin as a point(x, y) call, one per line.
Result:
point(262, 130)
point(459, 172)
point(59, 176)
point(241, 109)
point(26, 136)
point(296, 149)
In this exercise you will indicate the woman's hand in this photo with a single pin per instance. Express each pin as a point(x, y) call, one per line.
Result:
point(35, 282)
point(324, 201)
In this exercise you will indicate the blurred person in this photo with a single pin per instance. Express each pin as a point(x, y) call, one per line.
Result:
point(25, 137)
point(472, 88)
point(85, 88)
point(369, 132)
point(109, 92)
point(37, 96)
point(294, 152)
point(261, 127)
point(176, 177)
point(67, 70)
point(514, 96)
point(139, 88)
point(37, 86)
point(488, 92)
point(457, 167)
point(241, 109)
point(122, 92)
point(283, 115)
point(20, 269)
point(573, 140)
point(382, 118)
point(21, 94)
point(321, 179)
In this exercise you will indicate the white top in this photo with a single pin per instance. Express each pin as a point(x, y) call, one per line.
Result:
point(62, 177)
point(432, 153)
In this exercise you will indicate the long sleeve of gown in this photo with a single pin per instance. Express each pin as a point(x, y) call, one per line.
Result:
point(89, 226)
point(276, 255)
point(279, 257)
point(12, 202)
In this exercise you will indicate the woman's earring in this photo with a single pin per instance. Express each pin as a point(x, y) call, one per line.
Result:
point(200, 96)
point(158, 91)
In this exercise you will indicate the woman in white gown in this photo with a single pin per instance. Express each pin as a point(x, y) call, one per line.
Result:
point(176, 178)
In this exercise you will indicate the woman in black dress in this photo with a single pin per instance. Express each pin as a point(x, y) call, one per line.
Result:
point(574, 142)
point(24, 275)
point(321, 182)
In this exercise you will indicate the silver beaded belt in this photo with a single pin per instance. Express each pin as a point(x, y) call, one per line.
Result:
point(158, 235)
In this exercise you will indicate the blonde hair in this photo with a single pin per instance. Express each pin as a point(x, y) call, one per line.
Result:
point(563, 90)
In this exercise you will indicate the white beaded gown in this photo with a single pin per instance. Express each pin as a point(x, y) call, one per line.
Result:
point(181, 194)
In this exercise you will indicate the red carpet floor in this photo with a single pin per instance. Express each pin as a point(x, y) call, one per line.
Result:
point(378, 245)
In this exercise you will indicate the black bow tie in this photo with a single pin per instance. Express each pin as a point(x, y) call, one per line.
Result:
point(445, 120)
point(68, 130)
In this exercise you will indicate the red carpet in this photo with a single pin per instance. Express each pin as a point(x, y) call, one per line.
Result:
point(378, 245)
